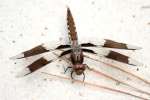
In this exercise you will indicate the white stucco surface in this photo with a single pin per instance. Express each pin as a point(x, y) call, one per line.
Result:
point(27, 23)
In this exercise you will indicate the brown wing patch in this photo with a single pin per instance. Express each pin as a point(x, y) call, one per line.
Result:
point(88, 45)
point(38, 64)
point(88, 51)
point(34, 51)
point(118, 57)
point(63, 46)
point(65, 52)
point(113, 44)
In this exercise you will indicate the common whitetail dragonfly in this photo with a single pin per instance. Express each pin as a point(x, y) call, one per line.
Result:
point(76, 51)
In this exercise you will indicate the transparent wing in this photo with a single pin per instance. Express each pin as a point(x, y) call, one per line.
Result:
point(110, 54)
point(41, 62)
point(111, 44)
point(38, 50)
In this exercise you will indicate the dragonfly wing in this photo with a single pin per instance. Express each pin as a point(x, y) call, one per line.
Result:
point(41, 62)
point(38, 50)
point(111, 44)
point(110, 54)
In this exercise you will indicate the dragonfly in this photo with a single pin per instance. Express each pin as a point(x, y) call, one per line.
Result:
point(76, 51)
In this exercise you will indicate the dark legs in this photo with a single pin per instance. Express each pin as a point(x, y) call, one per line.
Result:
point(65, 70)
point(71, 75)
point(89, 68)
point(83, 77)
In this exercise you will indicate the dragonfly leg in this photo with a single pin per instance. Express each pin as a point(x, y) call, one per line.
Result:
point(83, 76)
point(72, 75)
point(89, 68)
point(65, 69)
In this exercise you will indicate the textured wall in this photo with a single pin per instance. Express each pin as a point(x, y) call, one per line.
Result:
point(27, 23)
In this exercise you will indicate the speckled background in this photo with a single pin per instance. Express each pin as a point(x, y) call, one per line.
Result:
point(27, 23)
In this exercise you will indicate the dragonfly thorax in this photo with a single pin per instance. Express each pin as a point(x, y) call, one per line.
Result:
point(77, 56)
